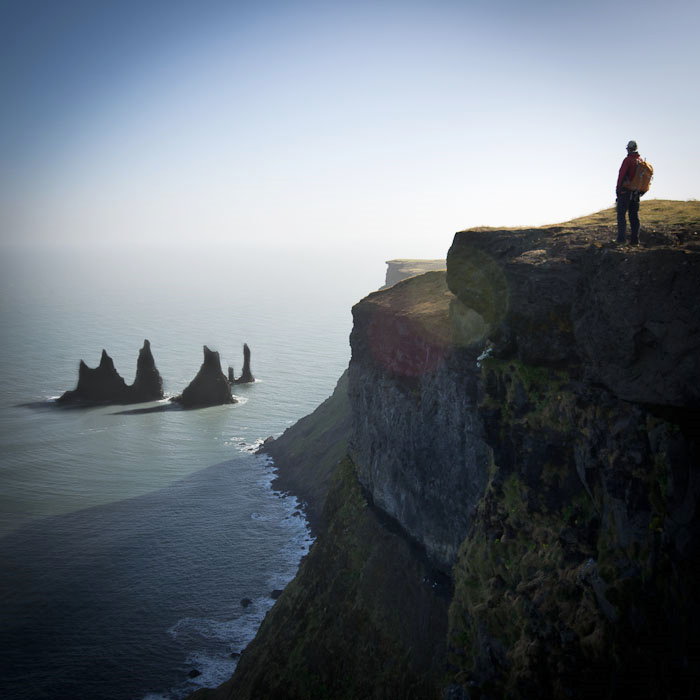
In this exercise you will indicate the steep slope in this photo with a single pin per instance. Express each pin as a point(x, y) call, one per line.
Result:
point(518, 514)
point(307, 454)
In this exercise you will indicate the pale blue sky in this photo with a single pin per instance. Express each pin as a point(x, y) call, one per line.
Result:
point(378, 125)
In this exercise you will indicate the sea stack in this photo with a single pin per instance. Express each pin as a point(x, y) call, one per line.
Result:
point(210, 387)
point(148, 384)
point(246, 376)
point(104, 384)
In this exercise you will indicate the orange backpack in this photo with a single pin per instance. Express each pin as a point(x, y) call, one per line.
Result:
point(640, 181)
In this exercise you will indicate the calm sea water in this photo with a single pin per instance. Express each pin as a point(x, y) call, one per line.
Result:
point(136, 548)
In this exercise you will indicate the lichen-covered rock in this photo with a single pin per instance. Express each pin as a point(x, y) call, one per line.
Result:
point(210, 387)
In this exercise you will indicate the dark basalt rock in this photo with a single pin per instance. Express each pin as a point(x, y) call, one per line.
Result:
point(624, 318)
point(210, 387)
point(246, 376)
point(104, 384)
point(148, 384)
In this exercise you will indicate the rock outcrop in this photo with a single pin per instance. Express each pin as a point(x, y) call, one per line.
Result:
point(210, 386)
point(625, 318)
point(148, 384)
point(246, 375)
point(527, 425)
point(104, 385)
point(403, 268)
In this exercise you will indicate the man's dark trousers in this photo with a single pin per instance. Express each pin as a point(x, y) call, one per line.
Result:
point(628, 201)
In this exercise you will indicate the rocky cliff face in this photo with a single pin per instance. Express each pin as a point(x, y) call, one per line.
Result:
point(417, 440)
point(624, 318)
point(524, 442)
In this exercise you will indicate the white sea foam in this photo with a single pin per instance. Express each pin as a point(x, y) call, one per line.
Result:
point(241, 444)
point(214, 669)
point(213, 641)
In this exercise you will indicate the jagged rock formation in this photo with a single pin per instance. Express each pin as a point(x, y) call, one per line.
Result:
point(210, 387)
point(148, 384)
point(524, 431)
point(104, 384)
point(403, 268)
point(246, 375)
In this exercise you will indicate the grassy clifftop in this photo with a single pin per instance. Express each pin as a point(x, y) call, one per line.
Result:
point(658, 216)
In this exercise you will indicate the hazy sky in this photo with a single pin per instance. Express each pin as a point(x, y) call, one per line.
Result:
point(338, 125)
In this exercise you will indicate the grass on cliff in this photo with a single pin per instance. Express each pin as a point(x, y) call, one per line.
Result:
point(652, 212)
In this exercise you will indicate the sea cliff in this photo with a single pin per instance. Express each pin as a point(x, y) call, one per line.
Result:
point(515, 513)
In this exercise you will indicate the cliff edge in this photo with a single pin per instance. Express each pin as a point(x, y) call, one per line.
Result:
point(517, 514)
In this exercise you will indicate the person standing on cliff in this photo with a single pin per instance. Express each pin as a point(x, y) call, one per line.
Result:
point(628, 200)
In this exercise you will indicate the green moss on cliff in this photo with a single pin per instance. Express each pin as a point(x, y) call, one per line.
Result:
point(562, 585)
point(364, 617)
point(307, 454)
point(652, 212)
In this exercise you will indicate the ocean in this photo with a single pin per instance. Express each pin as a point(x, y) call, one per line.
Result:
point(140, 552)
